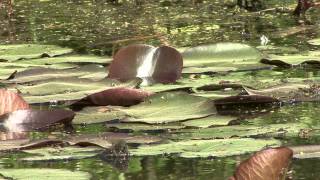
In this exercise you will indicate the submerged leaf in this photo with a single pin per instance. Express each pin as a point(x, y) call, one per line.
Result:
point(10, 101)
point(163, 64)
point(267, 164)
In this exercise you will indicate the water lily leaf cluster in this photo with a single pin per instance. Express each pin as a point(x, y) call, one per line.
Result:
point(203, 102)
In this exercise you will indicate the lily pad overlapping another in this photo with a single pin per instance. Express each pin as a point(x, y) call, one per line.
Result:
point(68, 90)
point(18, 117)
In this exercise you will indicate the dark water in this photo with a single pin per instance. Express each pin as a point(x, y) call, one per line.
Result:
point(101, 27)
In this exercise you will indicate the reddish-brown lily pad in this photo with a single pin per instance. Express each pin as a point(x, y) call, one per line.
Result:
point(163, 64)
point(116, 96)
point(269, 164)
point(28, 120)
point(10, 101)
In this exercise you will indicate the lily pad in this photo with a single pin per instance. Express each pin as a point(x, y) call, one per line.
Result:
point(289, 92)
point(62, 153)
point(270, 130)
point(71, 59)
point(163, 64)
point(315, 41)
point(29, 51)
point(131, 127)
point(231, 56)
point(60, 90)
point(206, 148)
point(266, 164)
point(44, 173)
point(114, 96)
point(287, 61)
point(40, 73)
point(11, 101)
point(169, 107)
point(28, 120)
point(92, 115)
point(213, 120)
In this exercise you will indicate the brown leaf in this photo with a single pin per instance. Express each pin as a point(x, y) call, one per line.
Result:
point(11, 101)
point(116, 96)
point(28, 120)
point(269, 164)
point(163, 64)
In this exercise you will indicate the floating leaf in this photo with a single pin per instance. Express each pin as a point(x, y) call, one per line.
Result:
point(61, 153)
point(169, 107)
point(276, 130)
point(28, 120)
point(266, 164)
point(10, 101)
point(144, 127)
point(114, 96)
point(44, 173)
point(92, 115)
point(73, 59)
point(205, 148)
point(289, 92)
point(41, 74)
point(287, 61)
point(163, 64)
point(213, 120)
point(230, 56)
point(61, 90)
point(315, 41)
point(29, 51)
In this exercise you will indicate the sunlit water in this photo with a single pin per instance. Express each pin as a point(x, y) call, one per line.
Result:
point(96, 26)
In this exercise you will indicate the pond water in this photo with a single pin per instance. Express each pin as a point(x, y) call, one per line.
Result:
point(101, 27)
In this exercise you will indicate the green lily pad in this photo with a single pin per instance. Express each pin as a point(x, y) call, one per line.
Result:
point(206, 148)
point(60, 90)
point(214, 120)
point(315, 41)
point(65, 153)
point(289, 92)
point(92, 115)
point(44, 173)
point(145, 127)
point(170, 107)
point(29, 51)
point(290, 129)
point(40, 73)
point(72, 59)
point(293, 60)
point(232, 56)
